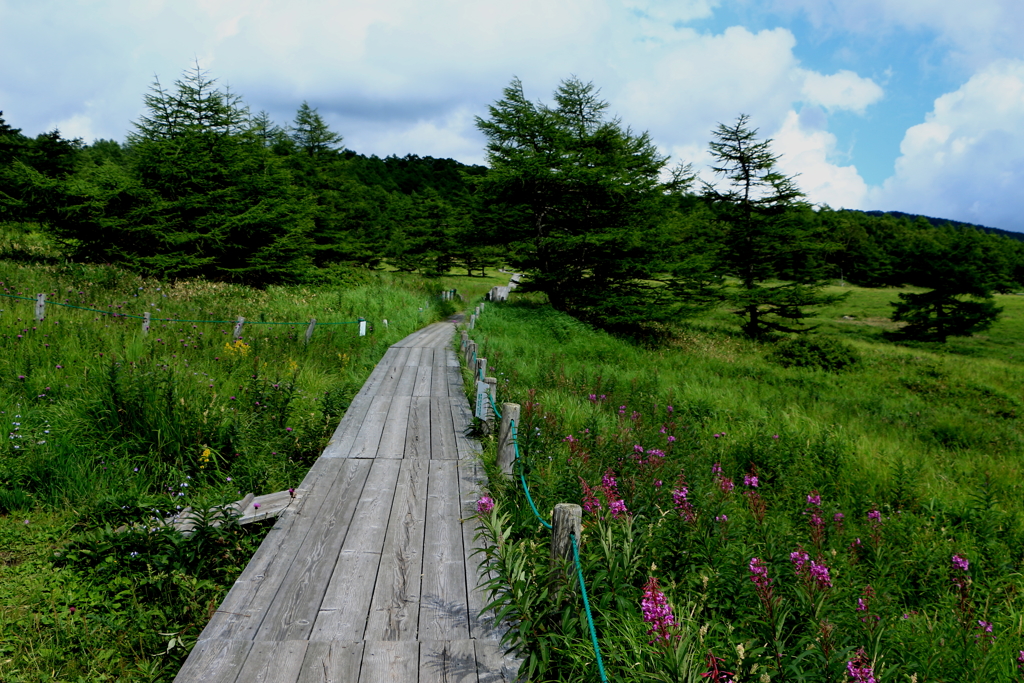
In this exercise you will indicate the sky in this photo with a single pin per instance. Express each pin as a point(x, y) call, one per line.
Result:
point(893, 105)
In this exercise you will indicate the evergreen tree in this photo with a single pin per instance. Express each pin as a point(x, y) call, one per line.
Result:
point(312, 134)
point(768, 233)
point(961, 271)
point(578, 200)
point(202, 196)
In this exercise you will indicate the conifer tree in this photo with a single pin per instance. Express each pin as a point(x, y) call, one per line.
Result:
point(771, 244)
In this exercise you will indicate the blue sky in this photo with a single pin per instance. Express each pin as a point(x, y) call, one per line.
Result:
point(910, 105)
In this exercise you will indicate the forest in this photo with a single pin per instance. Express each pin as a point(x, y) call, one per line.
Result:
point(589, 209)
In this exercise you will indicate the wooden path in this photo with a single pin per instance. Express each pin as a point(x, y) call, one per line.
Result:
point(368, 575)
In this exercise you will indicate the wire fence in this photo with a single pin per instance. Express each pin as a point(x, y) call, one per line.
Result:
point(115, 314)
point(518, 465)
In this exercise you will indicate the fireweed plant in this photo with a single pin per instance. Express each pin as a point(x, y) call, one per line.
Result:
point(109, 429)
point(734, 542)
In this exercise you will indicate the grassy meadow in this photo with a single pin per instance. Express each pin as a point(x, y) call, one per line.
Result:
point(882, 502)
point(107, 426)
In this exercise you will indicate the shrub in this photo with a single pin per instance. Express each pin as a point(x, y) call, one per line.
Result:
point(826, 354)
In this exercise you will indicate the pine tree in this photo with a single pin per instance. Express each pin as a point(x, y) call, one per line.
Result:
point(771, 242)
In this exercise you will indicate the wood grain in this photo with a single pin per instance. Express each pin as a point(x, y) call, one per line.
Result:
point(443, 609)
point(417, 435)
point(214, 661)
point(394, 608)
point(332, 662)
point(392, 440)
point(442, 431)
point(273, 662)
point(447, 661)
point(390, 661)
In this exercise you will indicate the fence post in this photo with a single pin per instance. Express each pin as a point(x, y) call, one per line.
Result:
point(362, 327)
point(40, 306)
point(309, 330)
point(480, 369)
point(492, 390)
point(471, 354)
point(145, 322)
point(472, 321)
point(238, 328)
point(566, 521)
point(506, 447)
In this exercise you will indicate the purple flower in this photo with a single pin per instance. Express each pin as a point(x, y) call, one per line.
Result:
point(875, 516)
point(669, 408)
point(759, 575)
point(287, 429)
point(775, 436)
point(726, 484)
point(859, 668)
point(985, 626)
point(722, 518)
point(657, 453)
point(716, 468)
point(485, 505)
point(657, 483)
point(256, 506)
point(657, 612)
point(618, 508)
point(750, 480)
point(813, 498)
point(671, 439)
point(960, 563)
point(591, 503)
point(799, 558)
point(819, 573)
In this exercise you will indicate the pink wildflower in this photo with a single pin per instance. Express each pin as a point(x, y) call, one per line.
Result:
point(657, 612)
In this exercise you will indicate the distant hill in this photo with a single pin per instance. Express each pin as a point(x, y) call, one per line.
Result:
point(937, 222)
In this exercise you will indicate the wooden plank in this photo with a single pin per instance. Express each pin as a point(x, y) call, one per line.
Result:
point(451, 358)
point(270, 505)
point(493, 665)
point(368, 438)
point(414, 356)
point(439, 381)
point(345, 434)
point(394, 608)
point(440, 357)
point(408, 381)
point(462, 422)
point(442, 431)
point(295, 606)
point(332, 662)
point(413, 339)
point(472, 481)
point(244, 607)
point(447, 661)
point(417, 433)
point(392, 440)
point(455, 385)
point(214, 661)
point(274, 662)
point(343, 612)
point(443, 605)
point(390, 662)
point(424, 374)
point(390, 381)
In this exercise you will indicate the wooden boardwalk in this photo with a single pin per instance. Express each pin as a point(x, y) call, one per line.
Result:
point(368, 575)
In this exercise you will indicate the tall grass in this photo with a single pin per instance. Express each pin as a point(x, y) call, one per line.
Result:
point(106, 426)
point(916, 448)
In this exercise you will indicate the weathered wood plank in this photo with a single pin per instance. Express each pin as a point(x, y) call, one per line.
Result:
point(394, 608)
point(273, 662)
point(456, 387)
point(244, 607)
point(414, 356)
point(343, 612)
point(368, 438)
point(392, 440)
point(443, 608)
point(390, 662)
point(462, 417)
point(423, 378)
point(447, 661)
point(493, 665)
point(439, 381)
point(451, 358)
point(471, 484)
point(417, 433)
point(214, 661)
point(344, 436)
point(397, 367)
point(294, 609)
point(332, 662)
point(407, 383)
point(442, 431)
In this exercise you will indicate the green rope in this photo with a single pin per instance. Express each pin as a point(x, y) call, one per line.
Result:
point(522, 475)
point(586, 607)
point(493, 407)
point(172, 320)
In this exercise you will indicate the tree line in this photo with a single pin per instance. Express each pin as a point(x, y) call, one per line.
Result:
point(585, 206)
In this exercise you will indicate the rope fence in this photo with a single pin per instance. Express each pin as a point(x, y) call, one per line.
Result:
point(566, 518)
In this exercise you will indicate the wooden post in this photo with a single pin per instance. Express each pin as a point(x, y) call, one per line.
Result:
point(506, 448)
point(482, 303)
point(566, 520)
point(492, 390)
point(238, 328)
point(362, 327)
point(471, 355)
point(145, 322)
point(309, 330)
point(472, 321)
point(480, 369)
point(40, 306)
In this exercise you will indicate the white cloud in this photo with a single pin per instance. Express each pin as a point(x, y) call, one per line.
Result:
point(966, 161)
point(808, 152)
point(842, 90)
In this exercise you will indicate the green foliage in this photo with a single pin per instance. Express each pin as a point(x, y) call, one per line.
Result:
point(924, 439)
point(824, 353)
point(578, 199)
point(769, 233)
